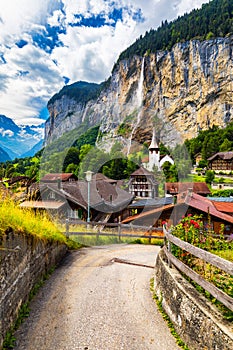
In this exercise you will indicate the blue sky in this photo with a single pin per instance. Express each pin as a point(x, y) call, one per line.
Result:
point(45, 44)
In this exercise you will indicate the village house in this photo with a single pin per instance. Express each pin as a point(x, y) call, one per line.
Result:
point(68, 198)
point(214, 212)
point(221, 162)
point(142, 183)
point(174, 188)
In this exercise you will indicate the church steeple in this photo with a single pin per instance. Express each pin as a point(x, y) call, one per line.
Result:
point(154, 144)
point(154, 153)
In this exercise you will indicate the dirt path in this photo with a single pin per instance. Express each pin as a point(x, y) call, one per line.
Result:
point(94, 301)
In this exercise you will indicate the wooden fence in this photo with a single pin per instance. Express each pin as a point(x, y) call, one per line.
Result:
point(212, 259)
point(114, 230)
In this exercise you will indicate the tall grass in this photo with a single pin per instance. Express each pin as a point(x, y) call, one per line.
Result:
point(26, 221)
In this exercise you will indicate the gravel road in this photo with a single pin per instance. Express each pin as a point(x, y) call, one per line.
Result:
point(98, 299)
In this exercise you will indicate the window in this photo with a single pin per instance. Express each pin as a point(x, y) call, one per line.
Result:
point(52, 195)
point(73, 213)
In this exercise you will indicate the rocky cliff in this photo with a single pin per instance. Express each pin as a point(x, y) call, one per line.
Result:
point(179, 91)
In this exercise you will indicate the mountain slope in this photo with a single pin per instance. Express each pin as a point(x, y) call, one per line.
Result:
point(33, 150)
point(213, 20)
point(4, 156)
point(179, 91)
point(16, 140)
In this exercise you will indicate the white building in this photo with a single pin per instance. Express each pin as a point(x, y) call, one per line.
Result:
point(155, 160)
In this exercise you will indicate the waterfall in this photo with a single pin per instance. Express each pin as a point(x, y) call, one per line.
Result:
point(139, 104)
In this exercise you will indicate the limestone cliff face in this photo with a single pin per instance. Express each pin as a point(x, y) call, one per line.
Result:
point(179, 91)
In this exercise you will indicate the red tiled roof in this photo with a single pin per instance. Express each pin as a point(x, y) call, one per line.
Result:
point(222, 155)
point(224, 206)
point(203, 204)
point(178, 187)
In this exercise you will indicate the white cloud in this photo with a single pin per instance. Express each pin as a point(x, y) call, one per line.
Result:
point(4, 132)
point(29, 75)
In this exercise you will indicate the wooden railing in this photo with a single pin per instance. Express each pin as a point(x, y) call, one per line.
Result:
point(113, 230)
point(212, 259)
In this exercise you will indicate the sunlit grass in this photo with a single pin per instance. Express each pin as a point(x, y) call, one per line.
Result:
point(25, 221)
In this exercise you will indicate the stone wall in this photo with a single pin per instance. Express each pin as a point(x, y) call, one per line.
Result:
point(196, 320)
point(24, 260)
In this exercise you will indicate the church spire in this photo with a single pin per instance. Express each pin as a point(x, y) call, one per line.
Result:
point(154, 144)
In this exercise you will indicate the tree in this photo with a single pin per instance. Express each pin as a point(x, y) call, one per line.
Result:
point(72, 157)
point(209, 176)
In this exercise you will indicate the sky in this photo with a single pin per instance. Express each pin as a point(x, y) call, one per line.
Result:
point(46, 44)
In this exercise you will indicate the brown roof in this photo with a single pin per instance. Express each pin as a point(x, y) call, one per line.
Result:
point(222, 155)
point(147, 213)
point(57, 176)
point(102, 177)
point(178, 187)
point(103, 195)
point(142, 171)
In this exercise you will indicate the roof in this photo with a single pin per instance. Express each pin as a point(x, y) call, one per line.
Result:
point(57, 176)
point(224, 207)
point(104, 196)
point(142, 171)
point(203, 204)
point(178, 187)
point(154, 144)
point(221, 199)
point(152, 202)
point(222, 155)
point(42, 204)
point(147, 213)
point(102, 177)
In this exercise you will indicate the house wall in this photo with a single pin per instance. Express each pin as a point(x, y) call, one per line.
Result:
point(20, 269)
point(197, 321)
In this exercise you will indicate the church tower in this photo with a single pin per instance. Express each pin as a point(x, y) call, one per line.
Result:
point(154, 153)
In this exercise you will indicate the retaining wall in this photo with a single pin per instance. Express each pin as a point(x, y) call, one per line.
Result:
point(24, 259)
point(196, 320)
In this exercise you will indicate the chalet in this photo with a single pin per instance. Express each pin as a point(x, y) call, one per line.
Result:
point(187, 203)
point(70, 199)
point(55, 177)
point(221, 161)
point(142, 183)
point(196, 204)
point(174, 188)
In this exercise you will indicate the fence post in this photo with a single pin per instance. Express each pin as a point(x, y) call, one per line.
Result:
point(119, 231)
point(67, 227)
point(150, 231)
point(97, 233)
point(169, 249)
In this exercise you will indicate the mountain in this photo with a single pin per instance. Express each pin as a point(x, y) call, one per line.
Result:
point(180, 89)
point(4, 156)
point(17, 140)
point(33, 150)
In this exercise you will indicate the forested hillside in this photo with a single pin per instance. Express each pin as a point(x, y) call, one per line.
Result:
point(209, 142)
point(214, 19)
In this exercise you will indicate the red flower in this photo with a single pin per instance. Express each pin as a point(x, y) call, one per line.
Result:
point(164, 222)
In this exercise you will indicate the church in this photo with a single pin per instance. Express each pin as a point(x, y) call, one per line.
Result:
point(155, 159)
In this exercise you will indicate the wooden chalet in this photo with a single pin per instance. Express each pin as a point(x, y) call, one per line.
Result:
point(69, 199)
point(221, 161)
point(188, 203)
point(142, 184)
point(55, 177)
